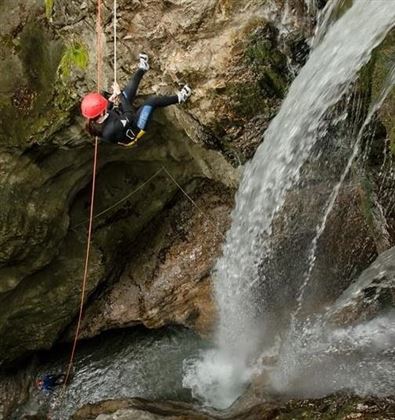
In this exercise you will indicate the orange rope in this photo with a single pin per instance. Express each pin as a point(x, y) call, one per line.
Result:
point(99, 59)
point(99, 46)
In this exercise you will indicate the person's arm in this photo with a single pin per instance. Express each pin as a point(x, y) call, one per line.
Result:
point(113, 131)
point(119, 97)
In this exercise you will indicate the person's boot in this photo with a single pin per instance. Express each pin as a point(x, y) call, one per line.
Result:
point(184, 94)
point(143, 63)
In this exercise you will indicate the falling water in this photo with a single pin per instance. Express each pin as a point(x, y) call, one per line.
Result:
point(219, 375)
point(325, 18)
point(335, 192)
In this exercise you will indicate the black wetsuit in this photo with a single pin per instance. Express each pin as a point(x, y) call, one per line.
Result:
point(51, 381)
point(123, 125)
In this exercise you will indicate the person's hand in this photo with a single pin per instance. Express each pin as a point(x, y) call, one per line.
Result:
point(113, 98)
point(116, 90)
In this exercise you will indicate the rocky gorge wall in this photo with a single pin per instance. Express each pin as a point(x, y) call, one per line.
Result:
point(228, 51)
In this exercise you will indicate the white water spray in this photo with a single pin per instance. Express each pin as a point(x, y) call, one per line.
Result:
point(318, 359)
point(218, 376)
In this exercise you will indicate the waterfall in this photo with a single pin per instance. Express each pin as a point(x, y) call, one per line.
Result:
point(331, 202)
point(218, 376)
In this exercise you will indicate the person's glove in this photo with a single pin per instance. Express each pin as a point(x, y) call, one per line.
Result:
point(116, 91)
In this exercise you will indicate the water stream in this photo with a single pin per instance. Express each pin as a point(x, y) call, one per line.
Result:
point(218, 376)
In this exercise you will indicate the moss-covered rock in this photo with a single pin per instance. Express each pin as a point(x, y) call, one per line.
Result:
point(255, 94)
point(32, 59)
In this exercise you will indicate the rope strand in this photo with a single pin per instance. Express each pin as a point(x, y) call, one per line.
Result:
point(99, 57)
point(106, 210)
point(86, 266)
point(115, 21)
point(99, 46)
point(191, 200)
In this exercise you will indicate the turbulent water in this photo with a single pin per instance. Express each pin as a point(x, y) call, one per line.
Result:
point(118, 365)
point(218, 376)
point(318, 357)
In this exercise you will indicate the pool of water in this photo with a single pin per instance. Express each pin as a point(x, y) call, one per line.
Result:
point(117, 365)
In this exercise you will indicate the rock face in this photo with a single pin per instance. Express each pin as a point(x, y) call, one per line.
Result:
point(233, 54)
point(338, 406)
point(372, 293)
point(168, 277)
point(236, 58)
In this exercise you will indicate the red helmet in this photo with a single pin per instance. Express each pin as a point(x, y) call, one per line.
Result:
point(93, 105)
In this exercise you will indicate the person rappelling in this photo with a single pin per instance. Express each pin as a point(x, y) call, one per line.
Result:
point(48, 382)
point(113, 120)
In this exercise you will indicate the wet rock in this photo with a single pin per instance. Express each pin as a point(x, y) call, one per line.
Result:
point(14, 389)
point(52, 285)
point(336, 406)
point(168, 277)
point(315, 255)
point(371, 294)
point(139, 409)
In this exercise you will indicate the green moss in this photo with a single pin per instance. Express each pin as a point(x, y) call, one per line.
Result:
point(262, 53)
point(267, 78)
point(75, 56)
point(268, 64)
point(7, 43)
point(341, 8)
point(49, 8)
point(247, 99)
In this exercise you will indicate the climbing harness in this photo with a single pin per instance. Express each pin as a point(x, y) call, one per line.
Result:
point(133, 137)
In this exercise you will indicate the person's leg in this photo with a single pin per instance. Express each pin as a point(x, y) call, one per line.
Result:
point(161, 101)
point(145, 112)
point(131, 88)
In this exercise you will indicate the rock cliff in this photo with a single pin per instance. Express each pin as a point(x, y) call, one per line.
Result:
point(237, 59)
